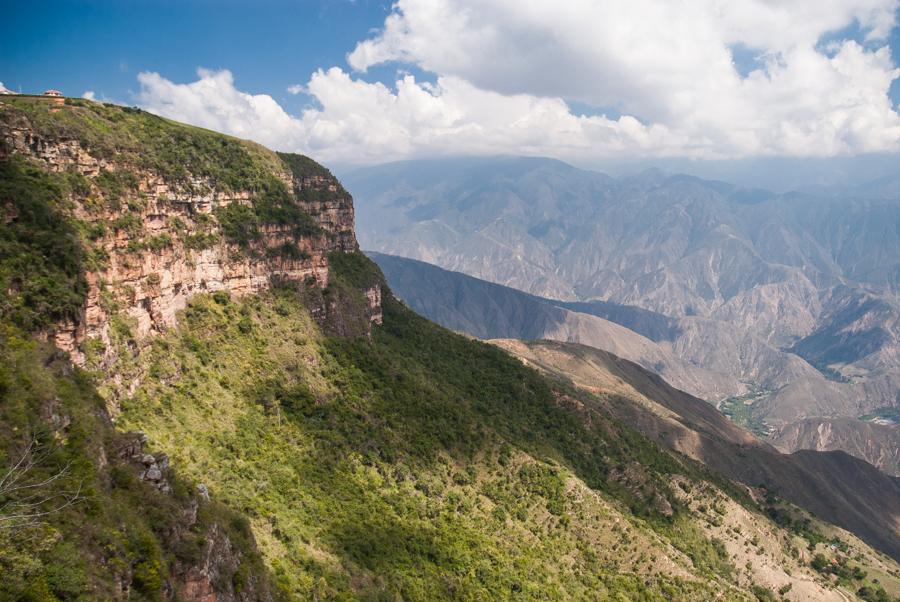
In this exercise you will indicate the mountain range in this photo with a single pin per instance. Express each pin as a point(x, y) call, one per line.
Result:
point(786, 302)
point(489, 311)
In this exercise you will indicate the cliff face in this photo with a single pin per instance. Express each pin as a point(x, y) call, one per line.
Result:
point(155, 240)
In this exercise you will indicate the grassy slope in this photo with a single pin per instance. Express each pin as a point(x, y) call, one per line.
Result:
point(175, 151)
point(121, 532)
point(416, 463)
point(122, 537)
point(41, 255)
point(617, 385)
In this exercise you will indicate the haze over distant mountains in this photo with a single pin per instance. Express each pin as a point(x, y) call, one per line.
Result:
point(790, 300)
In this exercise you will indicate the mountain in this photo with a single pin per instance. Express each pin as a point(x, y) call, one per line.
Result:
point(677, 245)
point(490, 311)
point(715, 354)
point(192, 339)
point(792, 294)
point(825, 482)
point(876, 443)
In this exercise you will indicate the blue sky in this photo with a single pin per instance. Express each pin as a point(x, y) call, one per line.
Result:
point(580, 80)
point(102, 45)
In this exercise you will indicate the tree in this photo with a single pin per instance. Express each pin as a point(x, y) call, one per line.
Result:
point(26, 496)
point(820, 563)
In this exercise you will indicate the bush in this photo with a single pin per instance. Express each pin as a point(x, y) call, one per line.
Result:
point(239, 224)
point(873, 593)
point(41, 255)
point(763, 594)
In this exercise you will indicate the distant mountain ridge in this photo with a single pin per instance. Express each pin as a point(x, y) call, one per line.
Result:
point(491, 311)
point(677, 245)
point(795, 296)
point(697, 355)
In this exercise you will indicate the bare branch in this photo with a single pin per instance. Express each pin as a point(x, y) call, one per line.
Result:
point(16, 471)
point(25, 499)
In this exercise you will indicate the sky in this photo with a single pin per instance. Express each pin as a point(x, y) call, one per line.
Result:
point(365, 81)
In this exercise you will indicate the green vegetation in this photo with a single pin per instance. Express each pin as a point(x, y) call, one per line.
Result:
point(354, 269)
point(785, 516)
point(302, 167)
point(408, 465)
point(41, 254)
point(764, 594)
point(92, 526)
point(829, 372)
point(740, 411)
point(839, 566)
point(181, 155)
point(873, 593)
point(115, 185)
point(134, 137)
point(889, 414)
point(274, 205)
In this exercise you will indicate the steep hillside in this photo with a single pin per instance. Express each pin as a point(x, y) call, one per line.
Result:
point(459, 301)
point(88, 512)
point(874, 442)
point(765, 388)
point(490, 311)
point(347, 448)
point(834, 485)
point(408, 464)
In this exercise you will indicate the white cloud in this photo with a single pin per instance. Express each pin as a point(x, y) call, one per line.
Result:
point(362, 122)
point(213, 102)
point(504, 67)
point(4, 89)
point(296, 89)
point(89, 95)
point(669, 63)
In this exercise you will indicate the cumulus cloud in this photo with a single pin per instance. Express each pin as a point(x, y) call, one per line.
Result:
point(89, 95)
point(215, 103)
point(362, 122)
point(670, 63)
point(296, 89)
point(508, 70)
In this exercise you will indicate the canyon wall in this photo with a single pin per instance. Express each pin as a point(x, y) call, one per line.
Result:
point(153, 243)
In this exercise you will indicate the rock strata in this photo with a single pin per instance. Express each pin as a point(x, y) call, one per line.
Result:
point(160, 242)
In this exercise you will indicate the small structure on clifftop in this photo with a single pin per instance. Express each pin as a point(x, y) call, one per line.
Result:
point(53, 93)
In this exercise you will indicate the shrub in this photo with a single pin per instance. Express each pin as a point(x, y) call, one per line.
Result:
point(41, 256)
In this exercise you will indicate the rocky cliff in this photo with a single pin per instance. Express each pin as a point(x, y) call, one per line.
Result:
point(160, 227)
point(111, 220)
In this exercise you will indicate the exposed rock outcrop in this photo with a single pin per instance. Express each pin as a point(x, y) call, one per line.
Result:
point(157, 242)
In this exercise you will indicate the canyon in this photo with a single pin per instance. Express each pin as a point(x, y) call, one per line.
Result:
point(787, 303)
point(235, 406)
